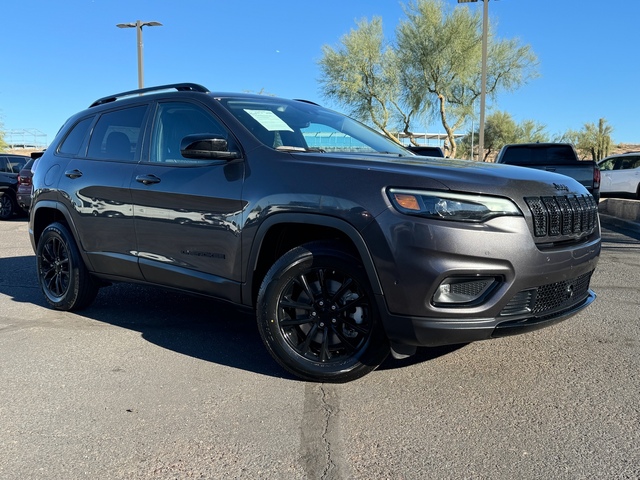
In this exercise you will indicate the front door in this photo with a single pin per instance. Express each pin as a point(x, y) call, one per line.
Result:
point(187, 212)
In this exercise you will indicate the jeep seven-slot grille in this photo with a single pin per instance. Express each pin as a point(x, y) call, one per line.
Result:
point(548, 298)
point(563, 215)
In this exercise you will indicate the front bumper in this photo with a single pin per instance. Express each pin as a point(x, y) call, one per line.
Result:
point(433, 332)
point(536, 286)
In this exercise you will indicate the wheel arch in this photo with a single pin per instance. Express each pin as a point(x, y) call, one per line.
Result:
point(281, 232)
point(45, 213)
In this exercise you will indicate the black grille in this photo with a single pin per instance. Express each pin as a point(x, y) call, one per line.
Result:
point(470, 289)
point(563, 215)
point(547, 298)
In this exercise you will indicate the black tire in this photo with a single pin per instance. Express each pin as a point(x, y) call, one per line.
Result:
point(318, 317)
point(7, 206)
point(63, 277)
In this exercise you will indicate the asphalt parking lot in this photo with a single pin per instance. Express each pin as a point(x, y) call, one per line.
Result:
point(149, 384)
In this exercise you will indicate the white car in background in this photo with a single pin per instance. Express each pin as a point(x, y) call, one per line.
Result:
point(620, 174)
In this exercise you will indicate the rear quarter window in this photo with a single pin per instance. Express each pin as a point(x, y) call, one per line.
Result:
point(75, 138)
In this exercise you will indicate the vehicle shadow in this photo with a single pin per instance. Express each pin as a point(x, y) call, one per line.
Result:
point(199, 327)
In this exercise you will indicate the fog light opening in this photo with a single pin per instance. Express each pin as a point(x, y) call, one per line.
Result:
point(463, 291)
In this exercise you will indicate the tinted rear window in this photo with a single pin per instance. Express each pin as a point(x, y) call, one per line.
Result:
point(539, 155)
point(75, 138)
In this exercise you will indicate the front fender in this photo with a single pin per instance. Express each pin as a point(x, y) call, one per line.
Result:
point(305, 220)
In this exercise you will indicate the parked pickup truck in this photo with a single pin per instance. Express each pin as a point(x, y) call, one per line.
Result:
point(559, 158)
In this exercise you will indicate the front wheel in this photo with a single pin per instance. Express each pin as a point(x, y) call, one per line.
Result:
point(63, 276)
point(317, 315)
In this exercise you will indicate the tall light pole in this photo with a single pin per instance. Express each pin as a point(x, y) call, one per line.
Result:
point(483, 81)
point(138, 26)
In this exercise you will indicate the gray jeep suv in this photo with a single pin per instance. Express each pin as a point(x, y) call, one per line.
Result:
point(346, 245)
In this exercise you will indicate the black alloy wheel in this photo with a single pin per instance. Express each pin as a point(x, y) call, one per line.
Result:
point(63, 277)
point(318, 317)
point(7, 206)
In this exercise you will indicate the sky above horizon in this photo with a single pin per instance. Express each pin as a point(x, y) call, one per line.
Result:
point(61, 56)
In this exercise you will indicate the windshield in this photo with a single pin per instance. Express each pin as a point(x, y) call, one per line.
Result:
point(300, 126)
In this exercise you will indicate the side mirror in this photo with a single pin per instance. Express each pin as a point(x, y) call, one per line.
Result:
point(206, 146)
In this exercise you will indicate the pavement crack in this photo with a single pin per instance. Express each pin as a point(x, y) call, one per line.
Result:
point(320, 437)
point(329, 465)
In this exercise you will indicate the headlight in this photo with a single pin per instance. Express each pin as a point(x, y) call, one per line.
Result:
point(461, 207)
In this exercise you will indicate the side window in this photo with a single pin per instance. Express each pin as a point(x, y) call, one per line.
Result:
point(636, 164)
point(608, 165)
point(75, 138)
point(116, 134)
point(3, 164)
point(627, 163)
point(174, 121)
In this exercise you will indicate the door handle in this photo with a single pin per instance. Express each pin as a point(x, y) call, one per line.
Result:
point(75, 173)
point(147, 179)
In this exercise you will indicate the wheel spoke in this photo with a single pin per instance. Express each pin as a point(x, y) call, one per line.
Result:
point(294, 322)
point(324, 349)
point(342, 290)
point(302, 280)
point(323, 283)
point(304, 348)
point(287, 302)
point(361, 329)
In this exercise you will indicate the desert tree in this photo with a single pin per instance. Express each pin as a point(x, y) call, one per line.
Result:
point(594, 140)
point(431, 71)
point(362, 75)
point(440, 49)
point(501, 129)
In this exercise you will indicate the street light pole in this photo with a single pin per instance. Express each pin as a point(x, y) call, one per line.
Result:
point(483, 81)
point(483, 88)
point(138, 26)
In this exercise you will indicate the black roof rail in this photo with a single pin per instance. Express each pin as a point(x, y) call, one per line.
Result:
point(306, 101)
point(181, 87)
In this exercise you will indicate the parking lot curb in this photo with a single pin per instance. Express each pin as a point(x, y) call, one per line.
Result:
point(620, 212)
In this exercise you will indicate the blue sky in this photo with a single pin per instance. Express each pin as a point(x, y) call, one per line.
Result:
point(61, 56)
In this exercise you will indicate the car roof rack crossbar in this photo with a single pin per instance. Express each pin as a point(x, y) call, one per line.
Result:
point(181, 87)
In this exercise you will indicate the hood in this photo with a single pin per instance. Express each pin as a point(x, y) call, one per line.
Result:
point(457, 175)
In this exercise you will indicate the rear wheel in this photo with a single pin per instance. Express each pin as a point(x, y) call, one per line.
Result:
point(318, 317)
point(7, 206)
point(63, 276)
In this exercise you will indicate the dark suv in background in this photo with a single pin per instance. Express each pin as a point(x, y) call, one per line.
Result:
point(10, 166)
point(346, 245)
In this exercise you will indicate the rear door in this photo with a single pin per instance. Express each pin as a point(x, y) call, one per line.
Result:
point(96, 186)
point(187, 212)
point(624, 176)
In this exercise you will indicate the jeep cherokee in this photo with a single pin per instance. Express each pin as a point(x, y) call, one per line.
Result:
point(346, 245)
